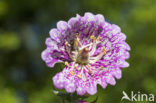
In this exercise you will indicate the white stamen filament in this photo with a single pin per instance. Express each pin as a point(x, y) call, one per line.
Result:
point(95, 42)
point(93, 49)
point(67, 48)
point(86, 69)
point(82, 56)
point(86, 46)
point(98, 57)
point(82, 73)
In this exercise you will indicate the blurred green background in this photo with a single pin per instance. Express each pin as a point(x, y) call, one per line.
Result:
point(24, 25)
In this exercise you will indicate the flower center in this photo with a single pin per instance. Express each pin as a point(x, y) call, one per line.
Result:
point(84, 55)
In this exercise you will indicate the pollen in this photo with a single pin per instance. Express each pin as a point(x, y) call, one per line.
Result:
point(90, 71)
point(71, 73)
point(99, 38)
point(92, 37)
point(100, 68)
point(77, 35)
point(104, 50)
point(79, 76)
point(75, 66)
point(66, 63)
point(66, 43)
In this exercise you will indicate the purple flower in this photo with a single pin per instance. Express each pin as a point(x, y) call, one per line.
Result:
point(93, 50)
point(81, 101)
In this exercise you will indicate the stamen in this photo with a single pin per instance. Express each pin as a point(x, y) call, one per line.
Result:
point(66, 63)
point(85, 68)
point(96, 41)
point(104, 50)
point(88, 67)
point(95, 59)
point(66, 43)
point(77, 41)
point(93, 49)
point(90, 72)
point(86, 46)
point(77, 34)
point(77, 37)
point(79, 68)
point(99, 38)
point(83, 55)
point(79, 76)
point(71, 72)
point(75, 66)
point(92, 37)
point(83, 76)
point(67, 48)
point(100, 68)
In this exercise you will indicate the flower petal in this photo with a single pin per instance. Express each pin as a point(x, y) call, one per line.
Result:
point(102, 82)
point(58, 81)
point(55, 35)
point(80, 91)
point(70, 87)
point(74, 23)
point(116, 72)
point(46, 56)
point(89, 17)
point(62, 26)
point(51, 43)
point(115, 29)
point(110, 79)
point(92, 89)
point(100, 19)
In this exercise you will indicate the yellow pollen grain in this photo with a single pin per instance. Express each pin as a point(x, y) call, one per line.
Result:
point(75, 66)
point(99, 38)
point(77, 35)
point(66, 43)
point(101, 68)
point(66, 63)
point(75, 42)
point(92, 37)
point(104, 50)
point(79, 68)
point(89, 67)
point(90, 71)
point(79, 76)
point(71, 73)
point(78, 39)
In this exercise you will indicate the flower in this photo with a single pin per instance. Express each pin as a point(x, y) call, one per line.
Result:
point(81, 101)
point(93, 50)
